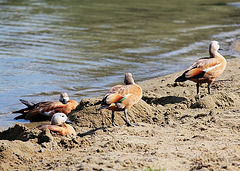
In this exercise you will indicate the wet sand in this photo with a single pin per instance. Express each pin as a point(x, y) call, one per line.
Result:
point(177, 130)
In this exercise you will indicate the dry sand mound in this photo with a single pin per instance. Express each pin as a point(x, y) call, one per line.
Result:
point(218, 100)
point(86, 114)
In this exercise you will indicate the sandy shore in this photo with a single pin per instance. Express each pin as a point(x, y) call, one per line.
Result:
point(177, 131)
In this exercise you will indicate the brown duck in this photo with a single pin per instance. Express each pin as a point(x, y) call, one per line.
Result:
point(122, 97)
point(205, 70)
point(44, 110)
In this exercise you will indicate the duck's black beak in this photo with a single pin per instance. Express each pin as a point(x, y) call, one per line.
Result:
point(64, 101)
point(220, 49)
point(69, 121)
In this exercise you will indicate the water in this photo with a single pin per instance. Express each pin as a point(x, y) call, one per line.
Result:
point(84, 47)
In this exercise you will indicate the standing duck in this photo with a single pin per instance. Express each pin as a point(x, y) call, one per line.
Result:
point(44, 110)
point(121, 97)
point(205, 70)
point(58, 125)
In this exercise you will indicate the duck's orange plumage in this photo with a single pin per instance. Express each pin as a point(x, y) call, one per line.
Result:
point(45, 110)
point(122, 97)
point(205, 70)
point(49, 108)
point(58, 125)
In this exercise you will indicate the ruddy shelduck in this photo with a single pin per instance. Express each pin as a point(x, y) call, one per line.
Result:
point(30, 105)
point(59, 125)
point(122, 97)
point(44, 110)
point(205, 70)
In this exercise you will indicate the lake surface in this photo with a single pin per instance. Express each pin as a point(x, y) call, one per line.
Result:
point(83, 47)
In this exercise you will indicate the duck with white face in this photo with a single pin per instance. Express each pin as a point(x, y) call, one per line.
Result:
point(64, 98)
point(59, 125)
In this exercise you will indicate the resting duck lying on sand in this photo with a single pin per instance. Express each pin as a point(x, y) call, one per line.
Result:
point(205, 70)
point(44, 110)
point(58, 125)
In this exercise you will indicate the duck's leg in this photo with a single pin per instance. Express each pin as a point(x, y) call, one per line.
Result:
point(103, 123)
point(127, 121)
point(197, 87)
point(113, 123)
point(208, 88)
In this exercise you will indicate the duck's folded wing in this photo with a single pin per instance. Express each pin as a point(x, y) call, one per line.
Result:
point(114, 98)
point(54, 128)
point(194, 73)
point(200, 67)
point(197, 63)
point(49, 108)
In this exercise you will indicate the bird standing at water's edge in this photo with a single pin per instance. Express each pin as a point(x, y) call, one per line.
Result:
point(58, 125)
point(121, 97)
point(205, 70)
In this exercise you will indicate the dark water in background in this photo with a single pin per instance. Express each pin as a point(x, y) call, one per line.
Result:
point(83, 47)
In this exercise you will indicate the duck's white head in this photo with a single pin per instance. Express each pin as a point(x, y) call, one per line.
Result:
point(213, 47)
point(128, 79)
point(64, 98)
point(59, 118)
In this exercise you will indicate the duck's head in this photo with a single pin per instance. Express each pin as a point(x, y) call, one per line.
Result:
point(64, 98)
point(214, 47)
point(128, 79)
point(59, 118)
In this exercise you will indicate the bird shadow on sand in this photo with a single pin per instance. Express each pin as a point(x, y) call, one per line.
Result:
point(164, 100)
point(92, 131)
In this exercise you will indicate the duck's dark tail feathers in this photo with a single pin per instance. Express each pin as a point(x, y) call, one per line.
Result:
point(103, 107)
point(30, 105)
point(182, 78)
point(98, 103)
point(20, 117)
point(103, 104)
point(21, 110)
point(23, 113)
point(27, 103)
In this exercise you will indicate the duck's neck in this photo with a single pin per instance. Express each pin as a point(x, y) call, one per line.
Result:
point(69, 102)
point(215, 54)
point(63, 125)
point(72, 104)
point(128, 81)
point(60, 124)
